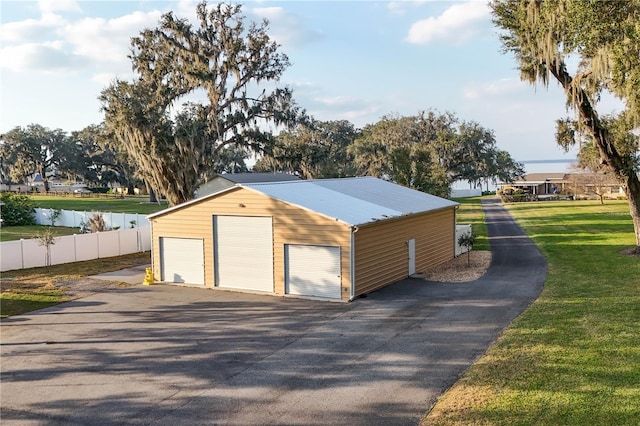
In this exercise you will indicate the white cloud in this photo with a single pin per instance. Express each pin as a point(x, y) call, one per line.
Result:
point(455, 25)
point(186, 9)
point(365, 115)
point(285, 28)
point(31, 30)
point(504, 86)
point(81, 43)
point(107, 40)
point(50, 6)
point(105, 78)
point(337, 101)
point(45, 57)
point(401, 7)
point(358, 111)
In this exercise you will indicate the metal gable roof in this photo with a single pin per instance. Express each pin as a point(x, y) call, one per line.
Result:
point(355, 201)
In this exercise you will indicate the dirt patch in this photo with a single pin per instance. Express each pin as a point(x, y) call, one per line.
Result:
point(632, 251)
point(72, 288)
point(460, 269)
point(85, 286)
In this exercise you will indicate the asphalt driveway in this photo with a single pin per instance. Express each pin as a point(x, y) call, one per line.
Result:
point(173, 355)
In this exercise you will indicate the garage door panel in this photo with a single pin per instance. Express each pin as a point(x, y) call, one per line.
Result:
point(244, 252)
point(182, 260)
point(313, 271)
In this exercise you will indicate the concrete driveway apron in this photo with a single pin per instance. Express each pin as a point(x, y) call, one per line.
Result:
point(175, 355)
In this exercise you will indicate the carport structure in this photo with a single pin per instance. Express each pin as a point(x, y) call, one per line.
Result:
point(329, 238)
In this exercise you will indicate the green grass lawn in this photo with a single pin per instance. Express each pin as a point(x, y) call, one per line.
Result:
point(11, 233)
point(573, 357)
point(116, 205)
point(470, 212)
point(26, 290)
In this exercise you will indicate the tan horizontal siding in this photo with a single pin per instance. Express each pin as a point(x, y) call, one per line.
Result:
point(382, 254)
point(291, 225)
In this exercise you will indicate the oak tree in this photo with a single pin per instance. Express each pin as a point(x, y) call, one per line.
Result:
point(34, 149)
point(312, 150)
point(232, 66)
point(546, 38)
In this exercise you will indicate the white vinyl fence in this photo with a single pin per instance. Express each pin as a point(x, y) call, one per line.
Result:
point(465, 193)
point(74, 219)
point(74, 248)
point(460, 231)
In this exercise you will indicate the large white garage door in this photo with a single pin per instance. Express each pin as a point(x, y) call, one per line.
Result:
point(243, 250)
point(182, 260)
point(313, 270)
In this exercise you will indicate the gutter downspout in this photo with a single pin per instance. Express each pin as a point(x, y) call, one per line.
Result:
point(352, 259)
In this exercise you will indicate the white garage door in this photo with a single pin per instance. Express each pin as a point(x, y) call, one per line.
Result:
point(243, 250)
point(182, 260)
point(313, 270)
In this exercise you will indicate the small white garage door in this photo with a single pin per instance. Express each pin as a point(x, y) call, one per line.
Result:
point(182, 260)
point(243, 251)
point(313, 270)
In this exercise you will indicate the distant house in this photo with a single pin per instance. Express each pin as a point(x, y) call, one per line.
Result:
point(328, 238)
point(36, 180)
point(539, 183)
point(228, 180)
point(579, 184)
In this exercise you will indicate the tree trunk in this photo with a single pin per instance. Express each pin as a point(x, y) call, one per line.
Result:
point(632, 189)
point(152, 196)
point(45, 181)
point(624, 172)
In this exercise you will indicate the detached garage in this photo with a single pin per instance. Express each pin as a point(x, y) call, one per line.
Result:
point(330, 238)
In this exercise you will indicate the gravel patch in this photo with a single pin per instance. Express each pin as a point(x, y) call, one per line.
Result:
point(83, 287)
point(460, 269)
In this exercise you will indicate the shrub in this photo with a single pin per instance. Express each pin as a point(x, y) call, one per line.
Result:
point(46, 239)
point(467, 241)
point(54, 216)
point(96, 223)
point(101, 190)
point(17, 210)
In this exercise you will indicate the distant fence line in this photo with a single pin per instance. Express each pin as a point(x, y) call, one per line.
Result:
point(59, 191)
point(24, 254)
point(75, 219)
point(464, 193)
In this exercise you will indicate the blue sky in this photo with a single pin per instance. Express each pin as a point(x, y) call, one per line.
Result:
point(355, 60)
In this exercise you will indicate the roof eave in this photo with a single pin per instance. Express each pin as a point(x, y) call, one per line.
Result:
point(453, 205)
point(191, 202)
